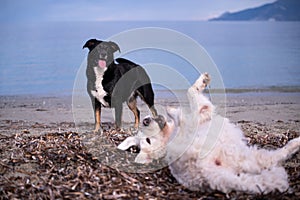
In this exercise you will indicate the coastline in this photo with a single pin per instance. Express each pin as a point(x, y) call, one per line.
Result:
point(249, 106)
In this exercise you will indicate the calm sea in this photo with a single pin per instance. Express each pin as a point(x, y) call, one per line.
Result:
point(45, 58)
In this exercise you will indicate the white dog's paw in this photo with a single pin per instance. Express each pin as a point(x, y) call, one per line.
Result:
point(293, 145)
point(202, 81)
point(205, 78)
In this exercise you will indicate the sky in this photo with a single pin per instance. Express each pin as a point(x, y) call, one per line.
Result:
point(108, 10)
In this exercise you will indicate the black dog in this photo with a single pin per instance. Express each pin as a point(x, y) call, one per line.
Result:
point(110, 84)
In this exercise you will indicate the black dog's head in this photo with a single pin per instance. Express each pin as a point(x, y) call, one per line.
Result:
point(101, 53)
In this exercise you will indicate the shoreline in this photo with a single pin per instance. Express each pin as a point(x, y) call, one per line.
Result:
point(259, 106)
point(240, 90)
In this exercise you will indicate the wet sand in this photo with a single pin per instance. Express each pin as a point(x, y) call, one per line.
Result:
point(255, 107)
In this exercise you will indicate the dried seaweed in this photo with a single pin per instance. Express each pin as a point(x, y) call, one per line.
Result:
point(69, 165)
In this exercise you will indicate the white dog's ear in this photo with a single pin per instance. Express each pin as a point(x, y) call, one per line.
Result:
point(205, 109)
point(174, 114)
point(128, 142)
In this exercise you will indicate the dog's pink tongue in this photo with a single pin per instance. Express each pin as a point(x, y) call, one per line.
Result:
point(102, 63)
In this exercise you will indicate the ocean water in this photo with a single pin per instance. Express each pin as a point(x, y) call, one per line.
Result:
point(46, 58)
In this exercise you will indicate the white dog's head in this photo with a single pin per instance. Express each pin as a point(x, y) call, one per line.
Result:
point(152, 139)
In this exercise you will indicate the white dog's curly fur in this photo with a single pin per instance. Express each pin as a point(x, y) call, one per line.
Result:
point(205, 151)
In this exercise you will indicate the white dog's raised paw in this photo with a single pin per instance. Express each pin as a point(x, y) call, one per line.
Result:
point(205, 78)
point(202, 81)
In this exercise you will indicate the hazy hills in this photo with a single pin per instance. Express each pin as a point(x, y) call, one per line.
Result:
point(281, 10)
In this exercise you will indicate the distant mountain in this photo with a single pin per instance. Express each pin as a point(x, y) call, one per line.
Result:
point(281, 10)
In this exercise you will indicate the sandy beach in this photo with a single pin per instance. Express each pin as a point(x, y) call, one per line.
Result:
point(45, 153)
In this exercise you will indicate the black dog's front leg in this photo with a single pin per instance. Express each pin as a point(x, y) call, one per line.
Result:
point(95, 103)
point(97, 112)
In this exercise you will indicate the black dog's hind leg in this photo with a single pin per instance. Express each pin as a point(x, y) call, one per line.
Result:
point(147, 95)
point(132, 106)
point(118, 114)
point(153, 111)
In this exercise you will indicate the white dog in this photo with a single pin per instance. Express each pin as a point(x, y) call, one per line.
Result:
point(206, 151)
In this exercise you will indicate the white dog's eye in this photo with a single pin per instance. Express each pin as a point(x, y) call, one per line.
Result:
point(147, 121)
point(148, 140)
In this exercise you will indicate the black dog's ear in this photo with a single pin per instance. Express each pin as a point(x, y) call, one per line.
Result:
point(91, 44)
point(114, 46)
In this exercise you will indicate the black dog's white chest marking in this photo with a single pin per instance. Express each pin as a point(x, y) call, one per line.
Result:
point(99, 93)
